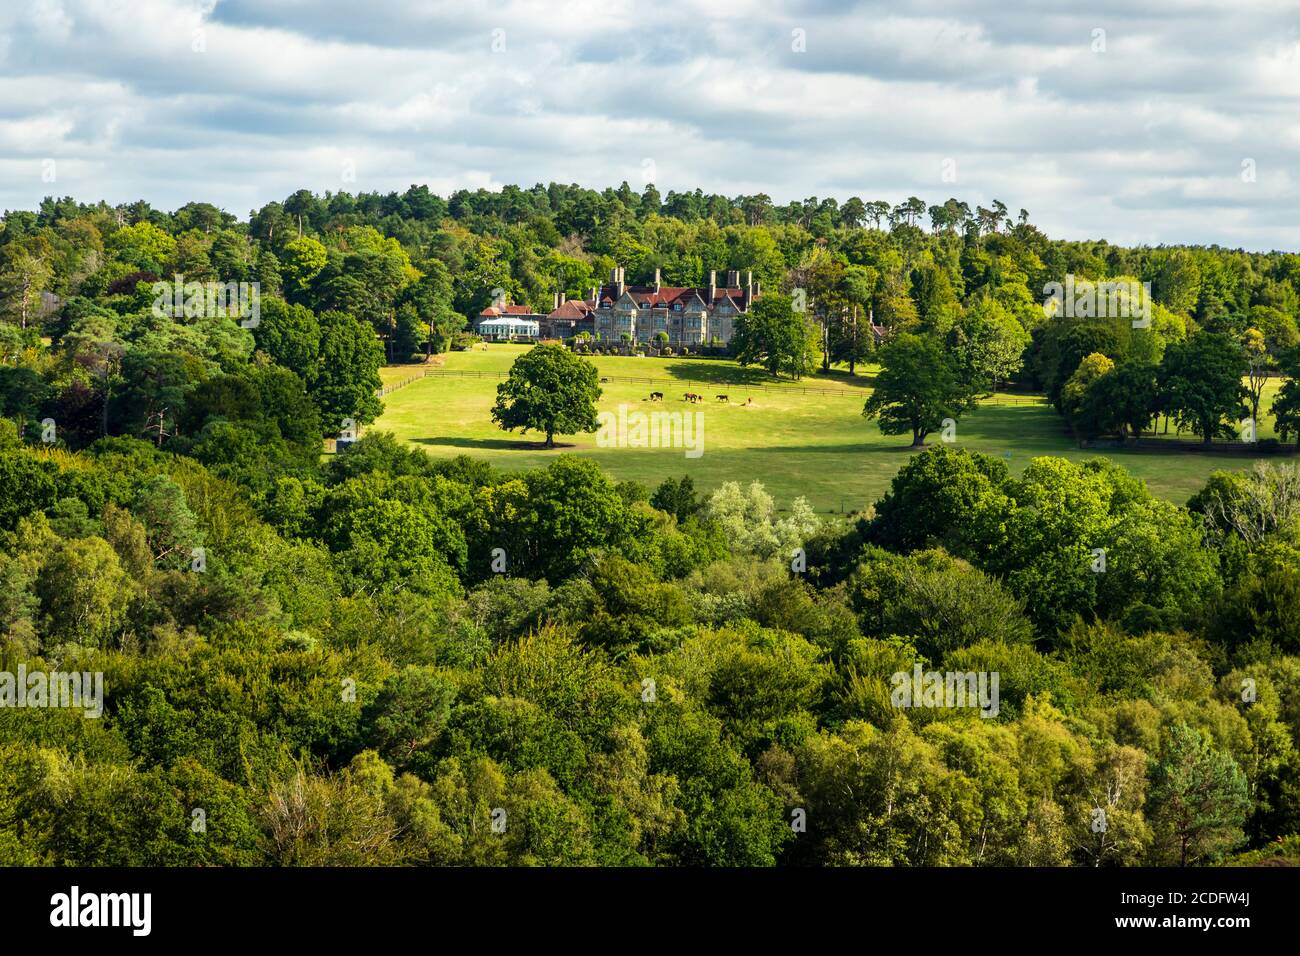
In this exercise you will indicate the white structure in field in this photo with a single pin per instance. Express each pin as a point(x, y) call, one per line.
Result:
point(509, 328)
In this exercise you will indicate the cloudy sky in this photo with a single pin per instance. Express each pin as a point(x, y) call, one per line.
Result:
point(1133, 120)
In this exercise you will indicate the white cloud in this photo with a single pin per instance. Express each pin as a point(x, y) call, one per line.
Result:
point(281, 94)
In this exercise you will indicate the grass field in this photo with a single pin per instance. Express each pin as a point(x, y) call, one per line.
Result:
point(807, 438)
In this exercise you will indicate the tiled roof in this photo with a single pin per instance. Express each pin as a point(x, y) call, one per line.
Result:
point(507, 310)
point(645, 296)
point(573, 309)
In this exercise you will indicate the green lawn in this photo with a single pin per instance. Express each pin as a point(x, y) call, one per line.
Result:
point(795, 439)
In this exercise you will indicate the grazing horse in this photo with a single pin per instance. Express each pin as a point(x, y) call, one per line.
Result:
point(723, 398)
point(656, 396)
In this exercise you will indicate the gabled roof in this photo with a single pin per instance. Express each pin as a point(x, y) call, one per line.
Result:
point(492, 310)
point(572, 309)
point(646, 296)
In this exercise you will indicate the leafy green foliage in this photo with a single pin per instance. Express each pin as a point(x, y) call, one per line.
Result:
point(550, 390)
point(388, 659)
point(917, 390)
point(772, 334)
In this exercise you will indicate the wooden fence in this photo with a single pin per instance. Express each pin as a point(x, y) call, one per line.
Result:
point(384, 390)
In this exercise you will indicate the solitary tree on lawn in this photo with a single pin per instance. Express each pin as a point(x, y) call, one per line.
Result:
point(917, 388)
point(1202, 383)
point(549, 390)
point(772, 334)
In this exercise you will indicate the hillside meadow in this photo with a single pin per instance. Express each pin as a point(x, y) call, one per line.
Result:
point(799, 438)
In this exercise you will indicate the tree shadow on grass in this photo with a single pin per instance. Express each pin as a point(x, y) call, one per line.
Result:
point(857, 448)
point(707, 371)
point(1035, 426)
point(861, 379)
point(494, 444)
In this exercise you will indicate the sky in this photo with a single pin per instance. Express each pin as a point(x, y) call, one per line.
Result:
point(1136, 121)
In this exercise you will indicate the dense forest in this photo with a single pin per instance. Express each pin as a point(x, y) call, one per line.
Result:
point(378, 657)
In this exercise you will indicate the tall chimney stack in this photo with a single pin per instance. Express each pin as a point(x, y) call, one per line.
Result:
point(733, 278)
point(595, 291)
point(749, 286)
point(713, 284)
point(656, 280)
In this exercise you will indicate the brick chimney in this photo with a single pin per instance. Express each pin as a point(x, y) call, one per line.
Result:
point(733, 278)
point(563, 297)
point(555, 301)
